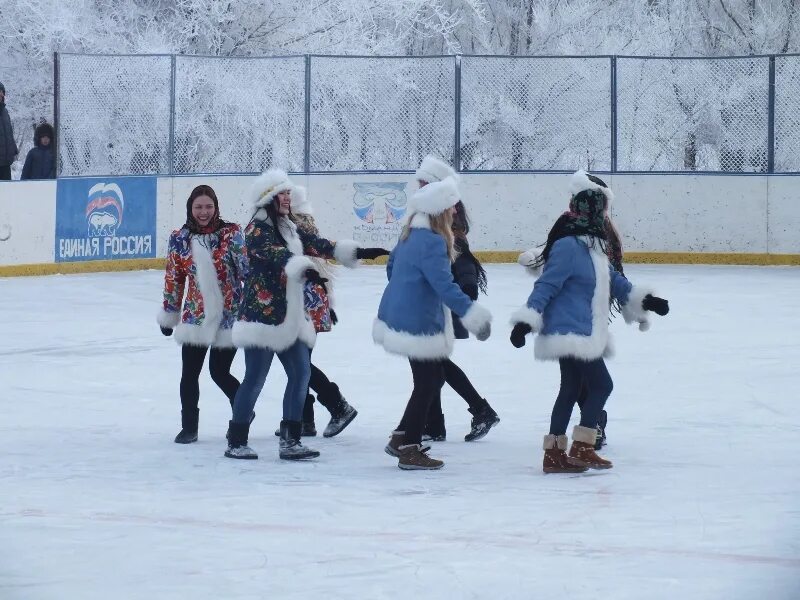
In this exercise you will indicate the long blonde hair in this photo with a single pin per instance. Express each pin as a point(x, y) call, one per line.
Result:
point(441, 224)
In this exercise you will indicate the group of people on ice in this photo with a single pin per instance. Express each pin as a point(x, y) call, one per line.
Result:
point(269, 291)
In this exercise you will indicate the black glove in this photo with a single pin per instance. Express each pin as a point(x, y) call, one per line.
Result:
point(518, 334)
point(371, 253)
point(313, 276)
point(166, 331)
point(655, 304)
point(334, 318)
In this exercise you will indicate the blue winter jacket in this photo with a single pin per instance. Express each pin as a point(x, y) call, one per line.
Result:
point(569, 305)
point(413, 317)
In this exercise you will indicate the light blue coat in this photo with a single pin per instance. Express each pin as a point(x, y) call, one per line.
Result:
point(569, 305)
point(414, 315)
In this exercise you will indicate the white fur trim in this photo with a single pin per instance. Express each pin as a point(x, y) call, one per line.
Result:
point(345, 252)
point(555, 441)
point(419, 347)
point(476, 318)
point(224, 339)
point(296, 325)
point(587, 435)
point(529, 316)
point(420, 221)
point(213, 303)
point(528, 260)
point(580, 181)
point(168, 320)
point(288, 229)
point(587, 347)
point(434, 198)
point(300, 202)
point(633, 312)
point(268, 185)
point(433, 169)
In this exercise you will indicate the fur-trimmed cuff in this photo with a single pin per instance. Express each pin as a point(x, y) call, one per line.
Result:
point(528, 259)
point(587, 435)
point(168, 319)
point(632, 311)
point(529, 316)
point(476, 318)
point(555, 441)
point(297, 266)
point(345, 252)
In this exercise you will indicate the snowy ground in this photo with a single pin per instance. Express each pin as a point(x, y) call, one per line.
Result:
point(703, 503)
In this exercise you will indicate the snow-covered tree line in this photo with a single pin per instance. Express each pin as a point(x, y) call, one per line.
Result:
point(511, 111)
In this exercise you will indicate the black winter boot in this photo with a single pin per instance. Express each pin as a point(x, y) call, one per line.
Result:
point(237, 441)
point(434, 429)
point(188, 433)
point(309, 429)
point(342, 414)
point(291, 448)
point(601, 430)
point(483, 419)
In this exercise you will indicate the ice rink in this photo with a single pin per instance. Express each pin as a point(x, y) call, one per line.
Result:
point(97, 502)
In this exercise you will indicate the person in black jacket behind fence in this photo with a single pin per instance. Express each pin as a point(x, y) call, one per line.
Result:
point(8, 147)
point(471, 278)
point(41, 160)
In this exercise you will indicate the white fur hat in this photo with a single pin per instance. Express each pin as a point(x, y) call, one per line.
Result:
point(434, 198)
point(432, 169)
point(580, 181)
point(300, 202)
point(268, 185)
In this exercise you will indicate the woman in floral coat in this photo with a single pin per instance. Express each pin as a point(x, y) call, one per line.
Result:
point(209, 253)
point(273, 318)
point(319, 305)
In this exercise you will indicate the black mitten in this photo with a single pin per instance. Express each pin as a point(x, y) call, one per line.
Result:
point(655, 304)
point(371, 253)
point(166, 331)
point(518, 334)
point(313, 276)
point(334, 318)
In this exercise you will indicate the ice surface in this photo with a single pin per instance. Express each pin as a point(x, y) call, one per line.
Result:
point(97, 502)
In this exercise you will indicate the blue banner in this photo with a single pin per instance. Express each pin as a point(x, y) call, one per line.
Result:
point(105, 218)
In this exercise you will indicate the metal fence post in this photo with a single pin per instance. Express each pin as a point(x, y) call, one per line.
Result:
point(771, 117)
point(171, 151)
point(307, 142)
point(457, 111)
point(613, 114)
point(56, 91)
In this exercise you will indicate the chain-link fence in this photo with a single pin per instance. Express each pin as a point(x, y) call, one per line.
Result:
point(380, 113)
point(114, 114)
point(187, 114)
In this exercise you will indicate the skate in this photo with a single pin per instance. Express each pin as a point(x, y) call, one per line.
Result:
point(290, 446)
point(482, 422)
point(413, 458)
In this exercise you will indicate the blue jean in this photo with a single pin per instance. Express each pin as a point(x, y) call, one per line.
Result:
point(257, 361)
point(591, 376)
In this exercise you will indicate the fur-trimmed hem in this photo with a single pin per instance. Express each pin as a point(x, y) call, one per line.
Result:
point(529, 316)
point(420, 347)
point(274, 337)
point(586, 347)
point(632, 310)
point(345, 252)
point(528, 260)
point(168, 319)
point(223, 339)
point(191, 334)
point(587, 435)
point(476, 318)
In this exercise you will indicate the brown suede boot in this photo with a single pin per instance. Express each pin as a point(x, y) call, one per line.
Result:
point(412, 458)
point(582, 451)
point(555, 456)
point(393, 447)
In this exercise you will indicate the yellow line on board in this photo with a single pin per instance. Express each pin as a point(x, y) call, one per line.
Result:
point(667, 258)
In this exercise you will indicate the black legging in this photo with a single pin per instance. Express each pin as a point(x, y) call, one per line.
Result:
point(458, 380)
point(219, 365)
point(429, 377)
point(589, 379)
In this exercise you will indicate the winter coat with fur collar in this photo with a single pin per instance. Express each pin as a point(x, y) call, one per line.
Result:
point(273, 313)
point(414, 314)
point(215, 265)
point(569, 305)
